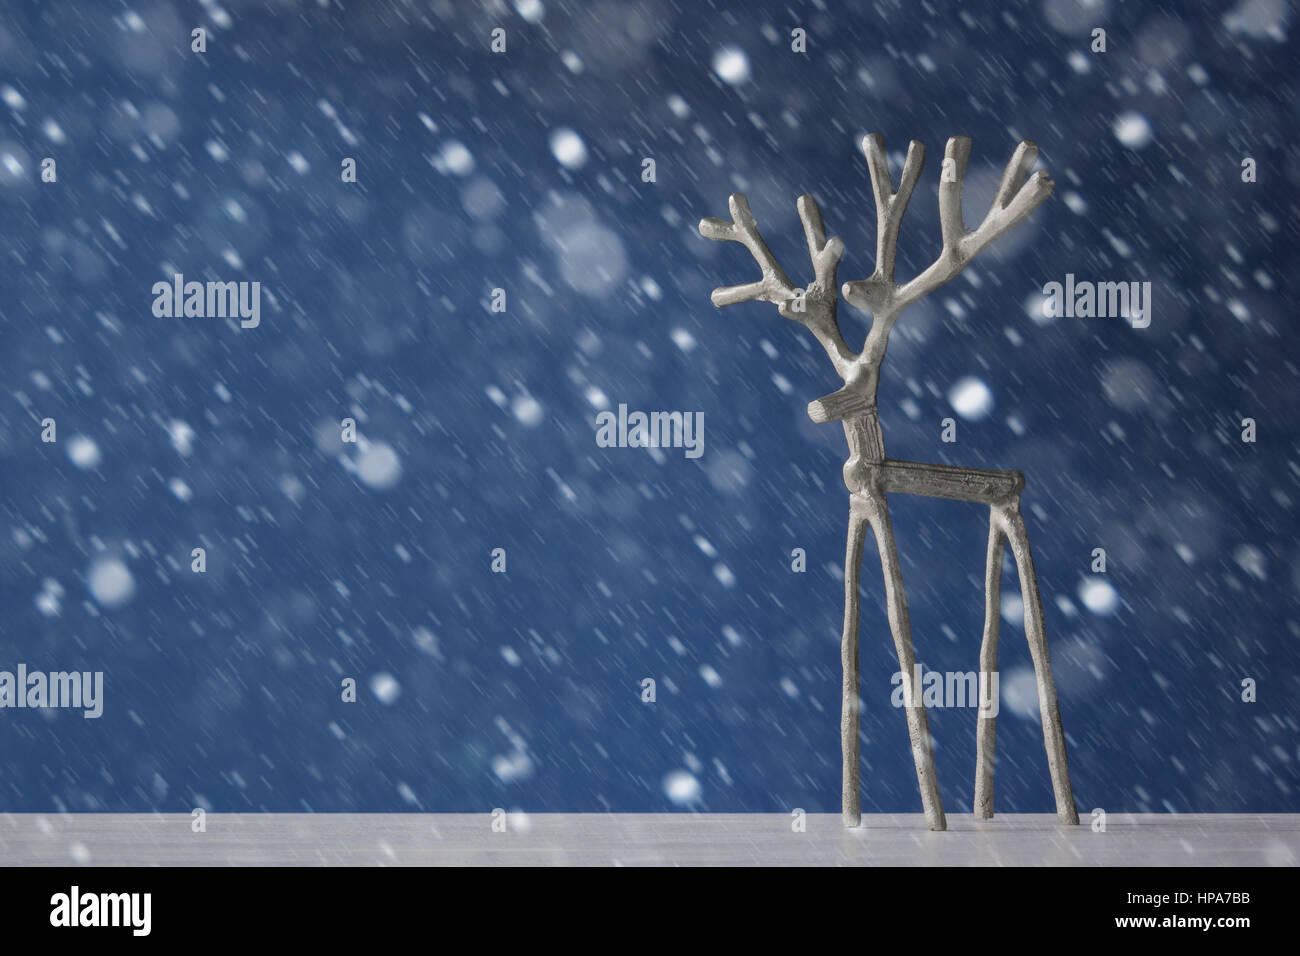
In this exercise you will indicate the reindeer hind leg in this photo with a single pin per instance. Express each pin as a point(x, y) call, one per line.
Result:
point(986, 728)
point(1013, 526)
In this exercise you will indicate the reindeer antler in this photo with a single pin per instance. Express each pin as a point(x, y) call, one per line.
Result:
point(1018, 195)
point(814, 307)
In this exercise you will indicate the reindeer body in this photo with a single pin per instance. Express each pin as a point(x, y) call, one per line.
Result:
point(870, 476)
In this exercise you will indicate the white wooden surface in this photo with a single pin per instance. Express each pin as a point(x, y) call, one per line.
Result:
point(644, 839)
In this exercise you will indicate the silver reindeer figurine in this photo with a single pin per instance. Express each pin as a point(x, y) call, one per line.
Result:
point(870, 476)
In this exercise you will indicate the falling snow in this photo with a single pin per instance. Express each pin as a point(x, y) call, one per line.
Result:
point(371, 559)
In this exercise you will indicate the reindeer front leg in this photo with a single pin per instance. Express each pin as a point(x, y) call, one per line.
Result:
point(874, 506)
point(851, 783)
point(815, 307)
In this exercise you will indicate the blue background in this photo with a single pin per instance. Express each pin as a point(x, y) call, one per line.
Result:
point(522, 690)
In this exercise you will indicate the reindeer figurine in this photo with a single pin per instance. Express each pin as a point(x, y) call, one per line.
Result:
point(870, 476)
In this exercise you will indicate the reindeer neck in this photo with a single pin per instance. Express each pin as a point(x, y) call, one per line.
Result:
point(866, 450)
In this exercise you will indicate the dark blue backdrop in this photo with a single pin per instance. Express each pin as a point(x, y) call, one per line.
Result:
point(522, 689)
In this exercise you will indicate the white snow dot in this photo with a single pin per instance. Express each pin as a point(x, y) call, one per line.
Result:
point(83, 452)
point(1133, 130)
point(234, 210)
point(512, 767)
point(48, 602)
point(1013, 608)
point(530, 10)
point(385, 687)
point(1038, 308)
point(110, 582)
point(710, 676)
point(568, 147)
point(682, 339)
point(379, 467)
point(971, 398)
point(1018, 693)
point(13, 164)
point(457, 158)
point(732, 65)
point(182, 436)
point(1251, 560)
point(425, 640)
point(528, 410)
point(681, 787)
point(1098, 597)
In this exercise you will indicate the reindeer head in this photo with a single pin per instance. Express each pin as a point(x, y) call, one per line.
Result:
point(815, 306)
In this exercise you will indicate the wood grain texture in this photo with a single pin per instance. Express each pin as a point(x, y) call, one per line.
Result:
point(572, 839)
